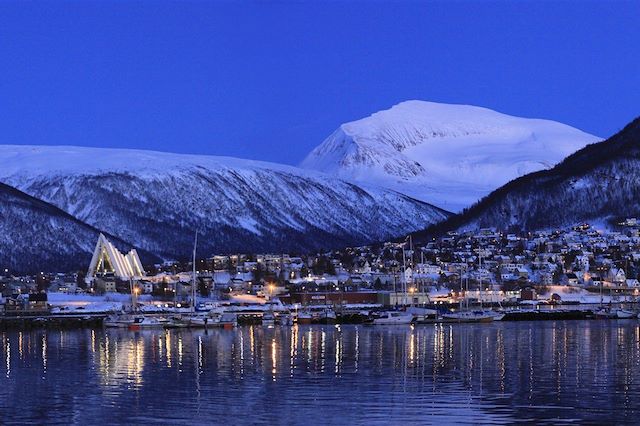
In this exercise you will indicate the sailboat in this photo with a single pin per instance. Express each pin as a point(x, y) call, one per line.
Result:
point(465, 314)
point(187, 320)
point(124, 319)
point(604, 312)
point(496, 316)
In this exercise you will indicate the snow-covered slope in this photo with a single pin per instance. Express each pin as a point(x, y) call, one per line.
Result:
point(447, 155)
point(598, 184)
point(157, 200)
point(36, 236)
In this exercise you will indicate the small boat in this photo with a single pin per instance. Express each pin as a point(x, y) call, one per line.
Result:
point(284, 319)
point(143, 323)
point(303, 317)
point(423, 315)
point(624, 314)
point(497, 316)
point(118, 321)
point(328, 316)
point(605, 313)
point(201, 320)
point(268, 319)
point(177, 321)
point(207, 306)
point(469, 316)
point(227, 320)
point(393, 318)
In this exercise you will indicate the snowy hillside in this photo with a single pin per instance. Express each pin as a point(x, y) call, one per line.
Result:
point(36, 236)
point(598, 184)
point(447, 155)
point(157, 200)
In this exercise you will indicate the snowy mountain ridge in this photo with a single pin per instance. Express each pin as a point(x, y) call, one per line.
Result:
point(65, 160)
point(447, 155)
point(36, 236)
point(157, 200)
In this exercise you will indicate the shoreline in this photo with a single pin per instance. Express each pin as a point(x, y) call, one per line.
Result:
point(36, 320)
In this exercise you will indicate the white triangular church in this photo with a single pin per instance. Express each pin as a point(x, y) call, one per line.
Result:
point(108, 259)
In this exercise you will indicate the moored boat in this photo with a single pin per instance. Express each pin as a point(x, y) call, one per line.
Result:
point(327, 316)
point(118, 321)
point(605, 313)
point(497, 316)
point(143, 322)
point(393, 318)
point(303, 317)
point(201, 320)
point(268, 319)
point(284, 318)
point(177, 321)
point(423, 315)
point(227, 320)
point(469, 316)
point(624, 314)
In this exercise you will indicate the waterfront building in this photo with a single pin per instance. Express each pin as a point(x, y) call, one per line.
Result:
point(108, 260)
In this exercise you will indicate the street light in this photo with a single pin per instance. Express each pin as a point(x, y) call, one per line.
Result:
point(271, 289)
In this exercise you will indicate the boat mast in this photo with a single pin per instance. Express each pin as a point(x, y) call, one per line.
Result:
point(466, 291)
point(461, 287)
point(480, 278)
point(193, 282)
point(404, 277)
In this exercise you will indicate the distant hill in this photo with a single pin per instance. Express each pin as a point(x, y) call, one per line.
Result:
point(598, 184)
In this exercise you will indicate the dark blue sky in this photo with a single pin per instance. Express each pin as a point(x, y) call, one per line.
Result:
point(270, 81)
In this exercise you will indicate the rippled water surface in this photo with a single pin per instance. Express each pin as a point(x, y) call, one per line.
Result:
point(522, 372)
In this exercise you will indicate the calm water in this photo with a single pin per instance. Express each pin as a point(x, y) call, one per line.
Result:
point(543, 372)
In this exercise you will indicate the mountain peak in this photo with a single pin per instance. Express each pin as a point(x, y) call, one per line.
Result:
point(446, 154)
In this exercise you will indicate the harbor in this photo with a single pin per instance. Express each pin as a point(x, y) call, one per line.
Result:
point(393, 284)
point(212, 315)
point(503, 372)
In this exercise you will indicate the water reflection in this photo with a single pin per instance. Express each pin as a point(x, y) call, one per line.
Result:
point(498, 373)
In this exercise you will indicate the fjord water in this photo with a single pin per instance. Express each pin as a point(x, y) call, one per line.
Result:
point(522, 372)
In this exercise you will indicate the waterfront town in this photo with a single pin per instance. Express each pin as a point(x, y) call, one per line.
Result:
point(568, 267)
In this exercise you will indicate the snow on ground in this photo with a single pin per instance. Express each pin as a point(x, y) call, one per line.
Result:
point(248, 298)
point(59, 298)
point(580, 295)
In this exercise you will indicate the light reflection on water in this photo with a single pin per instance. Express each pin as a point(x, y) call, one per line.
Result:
point(544, 372)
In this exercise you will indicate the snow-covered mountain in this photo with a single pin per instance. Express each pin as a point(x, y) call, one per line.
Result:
point(157, 200)
point(36, 236)
point(447, 155)
point(599, 184)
